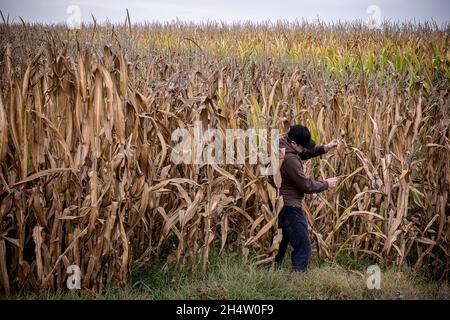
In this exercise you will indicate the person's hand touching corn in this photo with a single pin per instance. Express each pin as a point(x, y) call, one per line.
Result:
point(332, 182)
point(334, 144)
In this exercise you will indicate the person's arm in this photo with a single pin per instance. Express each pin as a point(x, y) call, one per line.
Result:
point(314, 152)
point(293, 169)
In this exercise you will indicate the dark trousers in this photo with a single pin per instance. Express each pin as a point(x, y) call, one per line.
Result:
point(293, 222)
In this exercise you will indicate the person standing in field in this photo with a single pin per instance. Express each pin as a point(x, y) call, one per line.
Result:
point(298, 146)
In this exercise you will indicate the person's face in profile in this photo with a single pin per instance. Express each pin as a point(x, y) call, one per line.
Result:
point(296, 146)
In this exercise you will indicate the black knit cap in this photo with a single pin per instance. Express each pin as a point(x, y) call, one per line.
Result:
point(301, 135)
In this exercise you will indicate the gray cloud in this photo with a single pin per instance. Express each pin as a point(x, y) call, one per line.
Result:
point(54, 11)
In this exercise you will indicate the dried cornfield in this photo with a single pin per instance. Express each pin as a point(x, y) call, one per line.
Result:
point(86, 118)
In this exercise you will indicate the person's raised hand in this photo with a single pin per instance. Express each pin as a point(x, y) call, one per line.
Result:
point(334, 144)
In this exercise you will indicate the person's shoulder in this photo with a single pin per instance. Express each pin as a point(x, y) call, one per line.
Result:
point(292, 159)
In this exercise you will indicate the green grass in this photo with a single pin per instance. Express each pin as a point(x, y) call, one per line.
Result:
point(229, 278)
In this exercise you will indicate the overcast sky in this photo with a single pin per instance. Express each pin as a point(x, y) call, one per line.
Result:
point(51, 11)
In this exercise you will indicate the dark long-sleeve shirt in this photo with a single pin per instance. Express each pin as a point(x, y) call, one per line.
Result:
point(294, 182)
